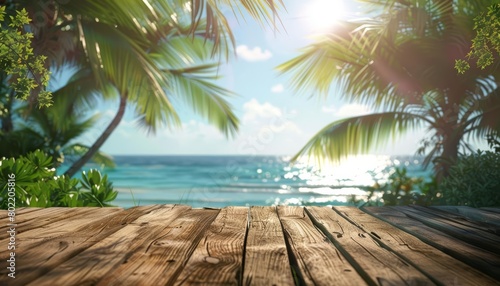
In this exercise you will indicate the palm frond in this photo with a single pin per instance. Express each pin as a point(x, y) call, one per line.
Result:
point(191, 81)
point(485, 117)
point(359, 134)
point(217, 27)
point(204, 97)
point(119, 59)
point(82, 92)
point(100, 158)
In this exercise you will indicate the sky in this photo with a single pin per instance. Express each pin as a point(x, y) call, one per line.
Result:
point(274, 120)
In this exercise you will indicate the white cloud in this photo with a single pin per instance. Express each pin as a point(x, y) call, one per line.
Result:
point(254, 110)
point(278, 88)
point(259, 116)
point(252, 55)
point(347, 110)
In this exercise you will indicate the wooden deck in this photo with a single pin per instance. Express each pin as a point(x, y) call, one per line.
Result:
point(178, 245)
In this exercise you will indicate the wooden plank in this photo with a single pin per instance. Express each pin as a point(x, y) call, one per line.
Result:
point(27, 210)
point(479, 214)
point(319, 262)
point(50, 224)
point(112, 249)
point(4, 218)
point(161, 257)
point(18, 211)
point(62, 224)
point(462, 219)
point(473, 214)
point(378, 265)
point(483, 260)
point(442, 268)
point(54, 221)
point(474, 236)
point(218, 258)
point(266, 258)
point(494, 210)
point(48, 254)
point(26, 220)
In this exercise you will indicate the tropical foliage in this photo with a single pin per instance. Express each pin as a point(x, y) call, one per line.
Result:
point(401, 62)
point(475, 179)
point(402, 189)
point(37, 185)
point(151, 55)
point(148, 55)
point(53, 130)
point(486, 43)
point(25, 71)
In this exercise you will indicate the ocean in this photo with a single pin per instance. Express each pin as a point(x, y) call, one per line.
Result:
point(218, 181)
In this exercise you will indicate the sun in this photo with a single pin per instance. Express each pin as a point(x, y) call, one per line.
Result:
point(323, 14)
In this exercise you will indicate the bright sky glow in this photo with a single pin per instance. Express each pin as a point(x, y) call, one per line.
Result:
point(323, 14)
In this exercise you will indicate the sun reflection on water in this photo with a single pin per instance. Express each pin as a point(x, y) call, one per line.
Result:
point(336, 183)
point(255, 180)
point(353, 171)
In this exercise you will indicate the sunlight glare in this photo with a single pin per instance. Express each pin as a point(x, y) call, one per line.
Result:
point(323, 14)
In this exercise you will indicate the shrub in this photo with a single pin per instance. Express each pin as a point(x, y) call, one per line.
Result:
point(37, 185)
point(474, 181)
point(401, 189)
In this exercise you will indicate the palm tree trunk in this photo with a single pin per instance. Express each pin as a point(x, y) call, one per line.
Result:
point(450, 154)
point(100, 141)
point(451, 143)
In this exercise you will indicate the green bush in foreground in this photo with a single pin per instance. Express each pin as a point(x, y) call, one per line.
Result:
point(401, 189)
point(37, 185)
point(474, 181)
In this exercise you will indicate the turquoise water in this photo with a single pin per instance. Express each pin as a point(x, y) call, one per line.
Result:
point(218, 181)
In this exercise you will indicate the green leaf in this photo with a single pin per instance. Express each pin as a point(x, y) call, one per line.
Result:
point(357, 135)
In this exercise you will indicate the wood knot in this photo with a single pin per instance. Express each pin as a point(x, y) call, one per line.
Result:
point(212, 260)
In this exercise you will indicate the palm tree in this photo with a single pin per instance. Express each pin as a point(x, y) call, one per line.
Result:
point(53, 130)
point(401, 62)
point(147, 54)
point(59, 128)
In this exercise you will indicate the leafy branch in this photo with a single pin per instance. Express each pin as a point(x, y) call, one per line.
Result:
point(486, 42)
point(19, 62)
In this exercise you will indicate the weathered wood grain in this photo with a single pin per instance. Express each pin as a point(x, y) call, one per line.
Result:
point(104, 255)
point(473, 215)
point(478, 258)
point(40, 216)
point(27, 210)
point(440, 267)
point(51, 223)
point(266, 258)
point(319, 262)
point(161, 259)
point(494, 210)
point(48, 227)
point(464, 232)
point(48, 254)
point(63, 225)
point(177, 245)
point(218, 258)
point(460, 219)
point(4, 218)
point(379, 265)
